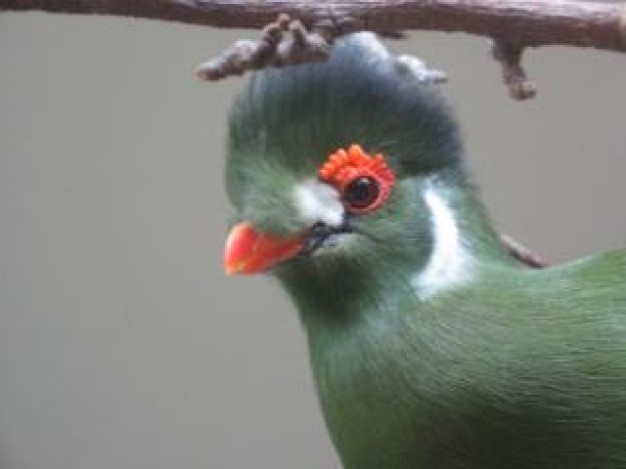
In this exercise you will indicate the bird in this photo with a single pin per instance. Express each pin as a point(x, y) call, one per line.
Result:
point(430, 345)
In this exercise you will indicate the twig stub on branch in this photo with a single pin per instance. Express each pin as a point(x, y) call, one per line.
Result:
point(283, 42)
point(510, 56)
point(521, 253)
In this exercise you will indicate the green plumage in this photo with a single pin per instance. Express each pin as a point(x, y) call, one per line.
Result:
point(498, 366)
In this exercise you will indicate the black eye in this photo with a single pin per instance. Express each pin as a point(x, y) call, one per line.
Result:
point(361, 193)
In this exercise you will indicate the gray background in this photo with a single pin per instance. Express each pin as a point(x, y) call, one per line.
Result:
point(122, 344)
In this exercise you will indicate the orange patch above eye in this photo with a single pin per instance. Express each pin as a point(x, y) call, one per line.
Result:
point(344, 169)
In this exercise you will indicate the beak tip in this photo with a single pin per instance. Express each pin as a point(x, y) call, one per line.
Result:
point(249, 251)
point(231, 270)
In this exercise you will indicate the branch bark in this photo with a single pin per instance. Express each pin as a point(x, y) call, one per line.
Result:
point(519, 22)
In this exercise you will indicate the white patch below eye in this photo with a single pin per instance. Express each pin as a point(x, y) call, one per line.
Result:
point(449, 261)
point(318, 202)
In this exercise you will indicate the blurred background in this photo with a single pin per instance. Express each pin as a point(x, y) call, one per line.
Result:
point(122, 344)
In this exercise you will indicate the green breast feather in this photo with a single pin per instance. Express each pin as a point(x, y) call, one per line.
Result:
point(516, 369)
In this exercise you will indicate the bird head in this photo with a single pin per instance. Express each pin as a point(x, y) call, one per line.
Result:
point(327, 164)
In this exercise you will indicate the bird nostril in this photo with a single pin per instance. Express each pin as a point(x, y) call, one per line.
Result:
point(320, 234)
point(317, 236)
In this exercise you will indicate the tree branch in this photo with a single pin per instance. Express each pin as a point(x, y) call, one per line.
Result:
point(520, 22)
point(305, 29)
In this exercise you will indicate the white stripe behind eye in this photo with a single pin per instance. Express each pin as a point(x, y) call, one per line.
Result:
point(449, 262)
point(318, 202)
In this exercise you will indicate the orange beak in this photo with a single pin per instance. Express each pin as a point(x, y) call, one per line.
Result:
point(249, 251)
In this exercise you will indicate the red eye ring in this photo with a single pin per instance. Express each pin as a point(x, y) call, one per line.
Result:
point(345, 169)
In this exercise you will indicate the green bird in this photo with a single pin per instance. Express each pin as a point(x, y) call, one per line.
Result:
point(431, 347)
